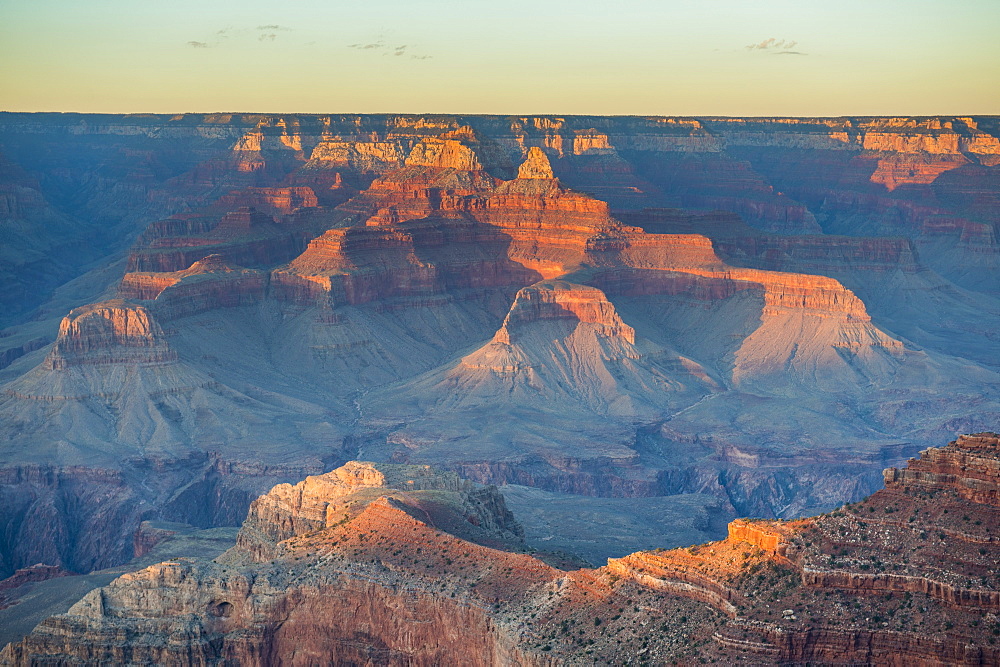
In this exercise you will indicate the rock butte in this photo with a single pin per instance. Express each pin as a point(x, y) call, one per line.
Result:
point(404, 565)
point(757, 313)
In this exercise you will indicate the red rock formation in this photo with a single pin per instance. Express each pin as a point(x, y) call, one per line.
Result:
point(536, 165)
point(35, 573)
point(363, 264)
point(861, 552)
point(553, 300)
point(772, 539)
point(208, 284)
point(316, 503)
point(444, 229)
point(674, 576)
point(365, 563)
point(901, 169)
point(279, 201)
point(243, 235)
point(553, 231)
point(969, 466)
point(111, 332)
point(366, 156)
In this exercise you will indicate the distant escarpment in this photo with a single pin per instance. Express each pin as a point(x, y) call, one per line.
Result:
point(406, 565)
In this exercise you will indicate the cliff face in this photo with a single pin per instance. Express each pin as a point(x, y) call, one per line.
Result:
point(967, 467)
point(904, 577)
point(108, 333)
point(385, 563)
point(326, 500)
point(208, 284)
point(407, 513)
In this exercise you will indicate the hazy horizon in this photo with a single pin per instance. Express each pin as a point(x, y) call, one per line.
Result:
point(722, 58)
point(215, 112)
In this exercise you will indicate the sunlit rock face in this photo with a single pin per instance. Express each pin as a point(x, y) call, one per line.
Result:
point(758, 313)
point(109, 333)
point(406, 564)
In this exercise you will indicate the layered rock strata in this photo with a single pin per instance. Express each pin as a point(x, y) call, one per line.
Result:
point(111, 332)
point(820, 357)
point(387, 564)
point(208, 284)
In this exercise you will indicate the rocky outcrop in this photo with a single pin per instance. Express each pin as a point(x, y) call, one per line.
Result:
point(444, 153)
point(390, 580)
point(244, 236)
point(772, 539)
point(359, 265)
point(323, 501)
point(675, 578)
point(266, 615)
point(877, 557)
point(968, 466)
point(904, 169)
point(112, 332)
point(147, 536)
point(32, 574)
point(279, 201)
point(564, 360)
point(366, 156)
point(554, 300)
point(208, 284)
point(536, 165)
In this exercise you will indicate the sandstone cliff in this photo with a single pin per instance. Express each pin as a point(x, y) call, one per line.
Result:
point(366, 563)
point(208, 284)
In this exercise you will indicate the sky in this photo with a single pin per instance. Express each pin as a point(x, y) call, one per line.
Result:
point(620, 57)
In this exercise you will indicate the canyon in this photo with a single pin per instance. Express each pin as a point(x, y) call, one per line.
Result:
point(401, 564)
point(609, 317)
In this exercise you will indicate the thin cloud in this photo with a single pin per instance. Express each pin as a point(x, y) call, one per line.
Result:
point(269, 33)
point(400, 51)
point(231, 35)
point(789, 53)
point(772, 43)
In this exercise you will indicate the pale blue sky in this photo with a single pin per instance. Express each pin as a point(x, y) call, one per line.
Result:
point(517, 57)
